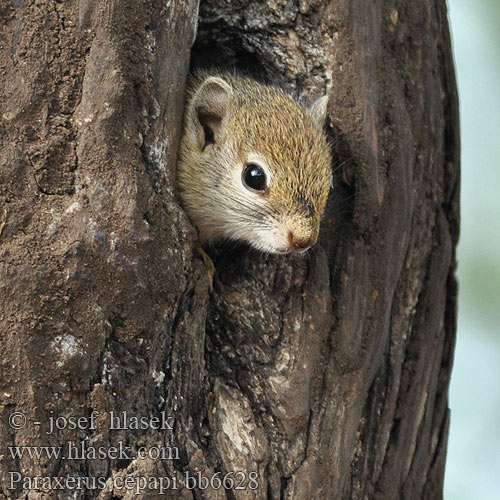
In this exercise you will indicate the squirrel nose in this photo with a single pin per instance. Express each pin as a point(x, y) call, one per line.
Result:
point(300, 244)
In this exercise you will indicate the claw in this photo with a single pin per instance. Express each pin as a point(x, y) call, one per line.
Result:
point(209, 264)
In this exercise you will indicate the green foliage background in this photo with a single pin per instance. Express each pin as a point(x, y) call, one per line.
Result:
point(473, 464)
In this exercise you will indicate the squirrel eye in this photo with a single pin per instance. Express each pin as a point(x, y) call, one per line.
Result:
point(254, 177)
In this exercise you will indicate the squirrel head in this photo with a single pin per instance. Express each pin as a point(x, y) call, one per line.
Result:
point(254, 165)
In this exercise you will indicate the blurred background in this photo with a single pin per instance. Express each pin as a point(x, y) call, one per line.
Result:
point(473, 463)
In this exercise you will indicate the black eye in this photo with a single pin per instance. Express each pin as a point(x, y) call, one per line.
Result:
point(254, 177)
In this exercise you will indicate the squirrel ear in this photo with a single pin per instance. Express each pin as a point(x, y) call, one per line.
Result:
point(319, 109)
point(210, 110)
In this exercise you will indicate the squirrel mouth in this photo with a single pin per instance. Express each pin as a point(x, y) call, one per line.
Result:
point(282, 251)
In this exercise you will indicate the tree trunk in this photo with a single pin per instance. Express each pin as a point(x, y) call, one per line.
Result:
point(313, 378)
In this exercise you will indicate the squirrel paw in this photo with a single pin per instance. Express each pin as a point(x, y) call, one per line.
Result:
point(209, 264)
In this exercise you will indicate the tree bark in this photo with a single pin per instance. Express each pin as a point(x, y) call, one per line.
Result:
point(313, 378)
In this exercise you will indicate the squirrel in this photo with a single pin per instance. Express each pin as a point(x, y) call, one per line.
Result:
point(254, 165)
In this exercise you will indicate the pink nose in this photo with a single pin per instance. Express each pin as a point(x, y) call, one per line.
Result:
point(300, 244)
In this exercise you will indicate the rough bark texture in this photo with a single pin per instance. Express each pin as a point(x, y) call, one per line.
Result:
point(326, 375)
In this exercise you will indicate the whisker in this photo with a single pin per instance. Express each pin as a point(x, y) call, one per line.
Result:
point(336, 168)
